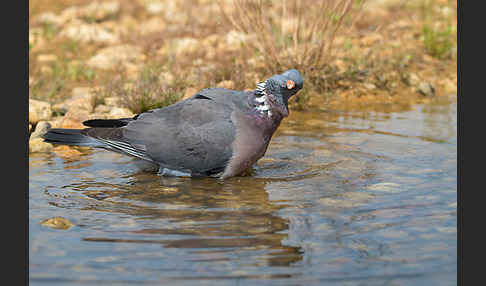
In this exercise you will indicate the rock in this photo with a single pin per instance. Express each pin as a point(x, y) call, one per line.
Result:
point(110, 112)
point(180, 47)
point(40, 129)
point(57, 222)
point(111, 57)
point(412, 79)
point(165, 8)
point(56, 121)
point(99, 11)
point(129, 23)
point(46, 58)
point(113, 101)
point(69, 14)
point(49, 18)
point(60, 108)
point(88, 33)
point(154, 7)
point(79, 108)
point(39, 111)
point(229, 84)
point(101, 108)
point(369, 86)
point(38, 145)
point(74, 119)
point(83, 98)
point(185, 46)
point(94, 12)
point(426, 89)
point(121, 112)
point(152, 25)
point(82, 92)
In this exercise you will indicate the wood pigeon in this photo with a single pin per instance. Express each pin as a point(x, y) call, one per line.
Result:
point(217, 132)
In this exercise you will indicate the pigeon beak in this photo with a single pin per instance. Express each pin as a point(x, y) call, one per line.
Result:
point(290, 84)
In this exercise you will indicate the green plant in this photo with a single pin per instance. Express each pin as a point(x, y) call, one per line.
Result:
point(438, 33)
point(438, 42)
point(146, 92)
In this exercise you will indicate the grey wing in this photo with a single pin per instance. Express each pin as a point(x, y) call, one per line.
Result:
point(237, 99)
point(194, 135)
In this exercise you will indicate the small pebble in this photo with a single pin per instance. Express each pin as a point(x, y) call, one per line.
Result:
point(57, 222)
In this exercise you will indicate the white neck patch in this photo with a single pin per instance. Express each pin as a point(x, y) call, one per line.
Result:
point(263, 107)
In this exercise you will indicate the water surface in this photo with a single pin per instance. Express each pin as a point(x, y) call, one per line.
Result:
point(340, 198)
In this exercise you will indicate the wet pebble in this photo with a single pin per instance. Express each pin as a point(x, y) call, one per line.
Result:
point(40, 129)
point(426, 89)
point(57, 223)
point(37, 145)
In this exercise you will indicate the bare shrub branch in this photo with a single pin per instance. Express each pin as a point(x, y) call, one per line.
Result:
point(291, 33)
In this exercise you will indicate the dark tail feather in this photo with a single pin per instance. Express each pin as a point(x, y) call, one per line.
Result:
point(107, 123)
point(69, 137)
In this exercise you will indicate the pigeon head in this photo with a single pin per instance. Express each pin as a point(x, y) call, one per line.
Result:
point(274, 93)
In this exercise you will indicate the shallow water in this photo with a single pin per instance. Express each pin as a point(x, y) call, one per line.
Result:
point(340, 198)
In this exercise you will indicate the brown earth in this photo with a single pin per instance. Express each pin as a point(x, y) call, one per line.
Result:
point(381, 56)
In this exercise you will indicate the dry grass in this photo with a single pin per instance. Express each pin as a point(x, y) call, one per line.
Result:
point(339, 46)
point(146, 92)
point(295, 33)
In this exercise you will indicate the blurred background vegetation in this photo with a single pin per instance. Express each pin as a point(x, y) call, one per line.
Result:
point(152, 53)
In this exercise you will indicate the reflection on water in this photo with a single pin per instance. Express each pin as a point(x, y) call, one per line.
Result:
point(212, 215)
point(342, 197)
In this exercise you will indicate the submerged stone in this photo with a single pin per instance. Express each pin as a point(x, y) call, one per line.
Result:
point(57, 223)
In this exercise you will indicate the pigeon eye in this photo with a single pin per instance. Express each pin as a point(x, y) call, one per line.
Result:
point(290, 84)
